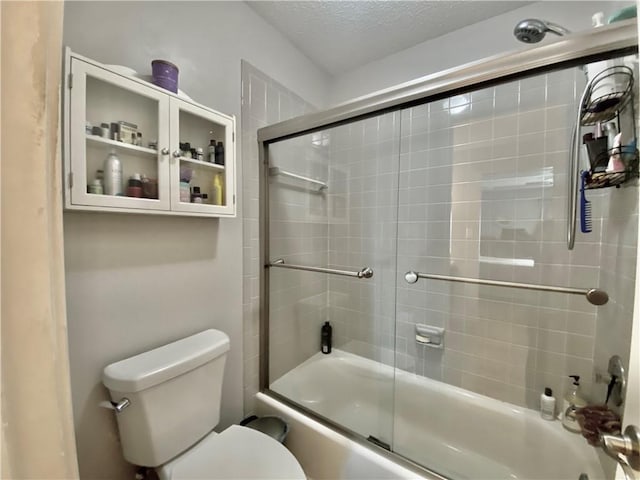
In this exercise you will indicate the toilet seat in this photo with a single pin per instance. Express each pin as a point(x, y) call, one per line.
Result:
point(236, 453)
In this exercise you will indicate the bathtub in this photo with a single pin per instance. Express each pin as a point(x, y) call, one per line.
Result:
point(451, 431)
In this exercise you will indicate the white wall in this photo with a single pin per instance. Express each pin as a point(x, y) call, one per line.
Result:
point(477, 41)
point(134, 281)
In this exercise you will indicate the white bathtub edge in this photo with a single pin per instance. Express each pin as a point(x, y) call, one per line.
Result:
point(326, 454)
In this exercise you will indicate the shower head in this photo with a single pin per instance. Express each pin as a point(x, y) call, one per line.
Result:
point(533, 30)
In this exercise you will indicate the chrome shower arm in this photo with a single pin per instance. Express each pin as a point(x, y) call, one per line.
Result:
point(557, 29)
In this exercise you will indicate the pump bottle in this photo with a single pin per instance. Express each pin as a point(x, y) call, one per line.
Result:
point(571, 402)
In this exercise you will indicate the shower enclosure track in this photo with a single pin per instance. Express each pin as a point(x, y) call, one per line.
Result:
point(577, 48)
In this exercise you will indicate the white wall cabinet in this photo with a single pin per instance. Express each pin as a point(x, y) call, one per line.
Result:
point(96, 94)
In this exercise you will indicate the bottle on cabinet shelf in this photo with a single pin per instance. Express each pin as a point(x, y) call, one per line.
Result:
point(216, 191)
point(134, 187)
point(211, 150)
point(219, 153)
point(112, 174)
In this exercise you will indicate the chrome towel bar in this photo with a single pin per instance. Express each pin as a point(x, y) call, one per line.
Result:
point(366, 272)
point(275, 171)
point(594, 295)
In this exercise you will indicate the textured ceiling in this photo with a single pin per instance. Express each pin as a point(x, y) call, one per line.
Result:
point(341, 35)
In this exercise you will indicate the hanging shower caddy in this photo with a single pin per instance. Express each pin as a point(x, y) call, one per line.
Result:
point(608, 98)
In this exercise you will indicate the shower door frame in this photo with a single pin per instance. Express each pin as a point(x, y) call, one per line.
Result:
point(573, 50)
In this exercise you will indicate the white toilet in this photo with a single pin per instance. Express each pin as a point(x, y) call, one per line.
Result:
point(173, 395)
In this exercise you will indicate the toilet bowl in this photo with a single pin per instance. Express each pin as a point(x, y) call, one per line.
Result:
point(168, 402)
point(237, 453)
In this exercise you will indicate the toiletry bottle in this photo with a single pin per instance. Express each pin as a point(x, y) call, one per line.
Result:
point(95, 187)
point(325, 338)
point(615, 160)
point(112, 175)
point(611, 130)
point(196, 196)
point(212, 151)
point(547, 404)
point(185, 193)
point(134, 187)
point(571, 402)
point(185, 148)
point(115, 131)
point(219, 153)
point(216, 191)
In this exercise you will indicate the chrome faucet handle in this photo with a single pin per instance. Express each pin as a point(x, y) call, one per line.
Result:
point(616, 380)
point(625, 448)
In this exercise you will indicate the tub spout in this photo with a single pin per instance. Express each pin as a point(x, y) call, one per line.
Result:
point(625, 448)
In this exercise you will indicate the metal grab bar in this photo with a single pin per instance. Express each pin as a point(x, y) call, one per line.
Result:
point(275, 171)
point(594, 295)
point(366, 272)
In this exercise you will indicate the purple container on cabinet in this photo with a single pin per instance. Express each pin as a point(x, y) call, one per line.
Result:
point(165, 75)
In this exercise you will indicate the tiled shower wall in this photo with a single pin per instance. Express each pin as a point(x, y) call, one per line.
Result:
point(617, 276)
point(298, 233)
point(363, 199)
point(264, 101)
point(483, 193)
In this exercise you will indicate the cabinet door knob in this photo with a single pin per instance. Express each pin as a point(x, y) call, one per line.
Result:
point(164, 151)
point(177, 153)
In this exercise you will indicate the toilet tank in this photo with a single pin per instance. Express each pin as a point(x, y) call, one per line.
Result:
point(175, 393)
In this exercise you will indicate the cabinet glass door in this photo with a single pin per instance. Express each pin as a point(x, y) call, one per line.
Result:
point(113, 114)
point(202, 160)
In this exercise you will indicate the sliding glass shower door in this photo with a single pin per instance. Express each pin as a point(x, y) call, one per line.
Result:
point(333, 205)
point(483, 196)
point(419, 288)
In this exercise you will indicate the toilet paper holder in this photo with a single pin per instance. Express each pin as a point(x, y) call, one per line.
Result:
point(430, 336)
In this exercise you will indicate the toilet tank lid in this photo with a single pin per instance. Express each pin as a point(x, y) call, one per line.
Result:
point(163, 363)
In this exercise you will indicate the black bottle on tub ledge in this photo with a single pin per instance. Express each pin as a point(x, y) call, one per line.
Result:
point(325, 338)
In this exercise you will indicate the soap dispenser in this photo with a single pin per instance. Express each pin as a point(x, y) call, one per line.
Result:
point(572, 401)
